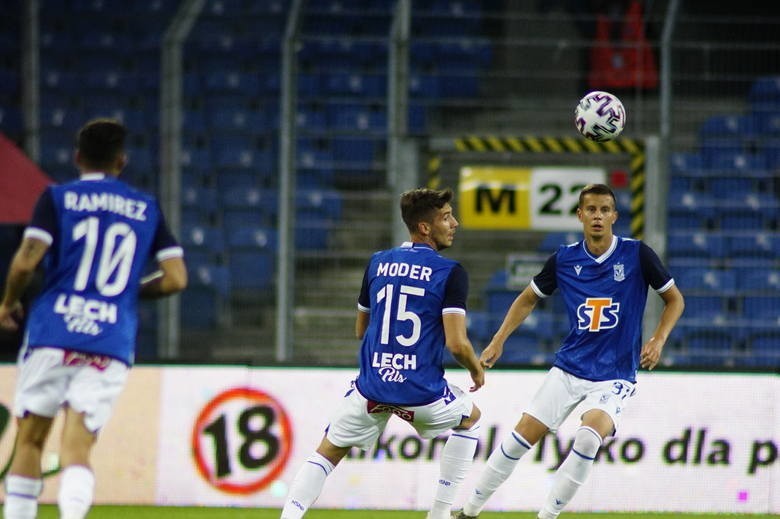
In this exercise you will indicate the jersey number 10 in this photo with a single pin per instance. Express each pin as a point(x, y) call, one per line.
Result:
point(116, 256)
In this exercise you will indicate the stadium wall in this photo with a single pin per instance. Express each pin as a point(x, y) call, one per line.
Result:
point(235, 436)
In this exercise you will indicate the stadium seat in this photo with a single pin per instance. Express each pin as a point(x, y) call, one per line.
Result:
point(552, 240)
point(752, 280)
point(696, 244)
point(251, 269)
point(196, 236)
point(252, 237)
point(725, 188)
point(761, 308)
point(711, 347)
point(705, 309)
point(763, 350)
point(686, 162)
point(703, 279)
point(756, 245)
point(741, 219)
point(739, 126)
point(525, 349)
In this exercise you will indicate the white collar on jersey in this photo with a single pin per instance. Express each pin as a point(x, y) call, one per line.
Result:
point(98, 175)
point(411, 245)
point(607, 254)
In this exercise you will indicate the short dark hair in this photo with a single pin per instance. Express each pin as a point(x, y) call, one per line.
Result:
point(100, 141)
point(420, 205)
point(596, 189)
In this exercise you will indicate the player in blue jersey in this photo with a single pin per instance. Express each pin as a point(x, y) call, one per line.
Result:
point(604, 281)
point(412, 305)
point(94, 237)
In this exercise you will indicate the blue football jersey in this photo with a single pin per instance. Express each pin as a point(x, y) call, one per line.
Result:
point(101, 234)
point(407, 290)
point(605, 300)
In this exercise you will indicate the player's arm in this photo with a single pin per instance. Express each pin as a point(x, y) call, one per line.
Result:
point(171, 276)
point(169, 279)
point(674, 304)
point(520, 309)
point(361, 323)
point(457, 341)
point(20, 272)
point(363, 308)
point(662, 282)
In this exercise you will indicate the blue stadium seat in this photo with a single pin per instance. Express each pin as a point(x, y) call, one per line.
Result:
point(761, 308)
point(202, 198)
point(238, 218)
point(478, 326)
point(703, 279)
point(730, 187)
point(754, 246)
point(765, 92)
point(741, 219)
point(552, 240)
point(312, 235)
point(686, 162)
point(354, 150)
point(751, 279)
point(696, 244)
point(763, 349)
point(736, 126)
point(527, 349)
point(252, 237)
point(315, 204)
point(251, 269)
point(706, 309)
point(711, 347)
point(202, 237)
point(723, 159)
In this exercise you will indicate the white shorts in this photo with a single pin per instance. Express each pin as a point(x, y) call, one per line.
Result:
point(561, 392)
point(49, 378)
point(358, 422)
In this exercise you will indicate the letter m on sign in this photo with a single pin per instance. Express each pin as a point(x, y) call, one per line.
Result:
point(494, 197)
point(492, 200)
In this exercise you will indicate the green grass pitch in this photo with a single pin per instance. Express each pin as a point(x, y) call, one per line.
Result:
point(152, 512)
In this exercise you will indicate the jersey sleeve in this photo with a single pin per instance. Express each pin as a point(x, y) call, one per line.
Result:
point(364, 299)
point(456, 291)
point(43, 225)
point(165, 245)
point(653, 270)
point(546, 281)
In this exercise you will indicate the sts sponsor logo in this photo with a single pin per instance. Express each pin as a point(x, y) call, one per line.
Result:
point(597, 313)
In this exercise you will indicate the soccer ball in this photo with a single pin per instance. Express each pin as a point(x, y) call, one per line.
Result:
point(600, 116)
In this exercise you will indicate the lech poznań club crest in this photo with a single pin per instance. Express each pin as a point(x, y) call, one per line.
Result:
point(619, 272)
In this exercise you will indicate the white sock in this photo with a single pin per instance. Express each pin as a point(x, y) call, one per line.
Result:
point(77, 488)
point(456, 459)
point(306, 486)
point(21, 497)
point(573, 472)
point(500, 465)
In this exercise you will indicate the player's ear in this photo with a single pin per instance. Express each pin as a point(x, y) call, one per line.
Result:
point(121, 161)
point(424, 228)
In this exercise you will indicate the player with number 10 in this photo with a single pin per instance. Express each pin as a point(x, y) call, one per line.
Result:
point(96, 235)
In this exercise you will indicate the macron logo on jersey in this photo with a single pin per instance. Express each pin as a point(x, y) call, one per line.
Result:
point(597, 313)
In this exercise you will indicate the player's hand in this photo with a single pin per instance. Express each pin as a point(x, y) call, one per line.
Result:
point(651, 353)
point(491, 354)
point(478, 377)
point(10, 316)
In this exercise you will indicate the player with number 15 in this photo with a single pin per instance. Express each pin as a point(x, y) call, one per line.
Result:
point(412, 305)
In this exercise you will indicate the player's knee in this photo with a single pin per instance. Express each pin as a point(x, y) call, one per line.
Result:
point(471, 422)
point(586, 442)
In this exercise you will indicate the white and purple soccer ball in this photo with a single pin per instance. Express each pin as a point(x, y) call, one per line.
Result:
point(600, 116)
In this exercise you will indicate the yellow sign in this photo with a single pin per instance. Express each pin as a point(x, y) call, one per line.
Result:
point(494, 197)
